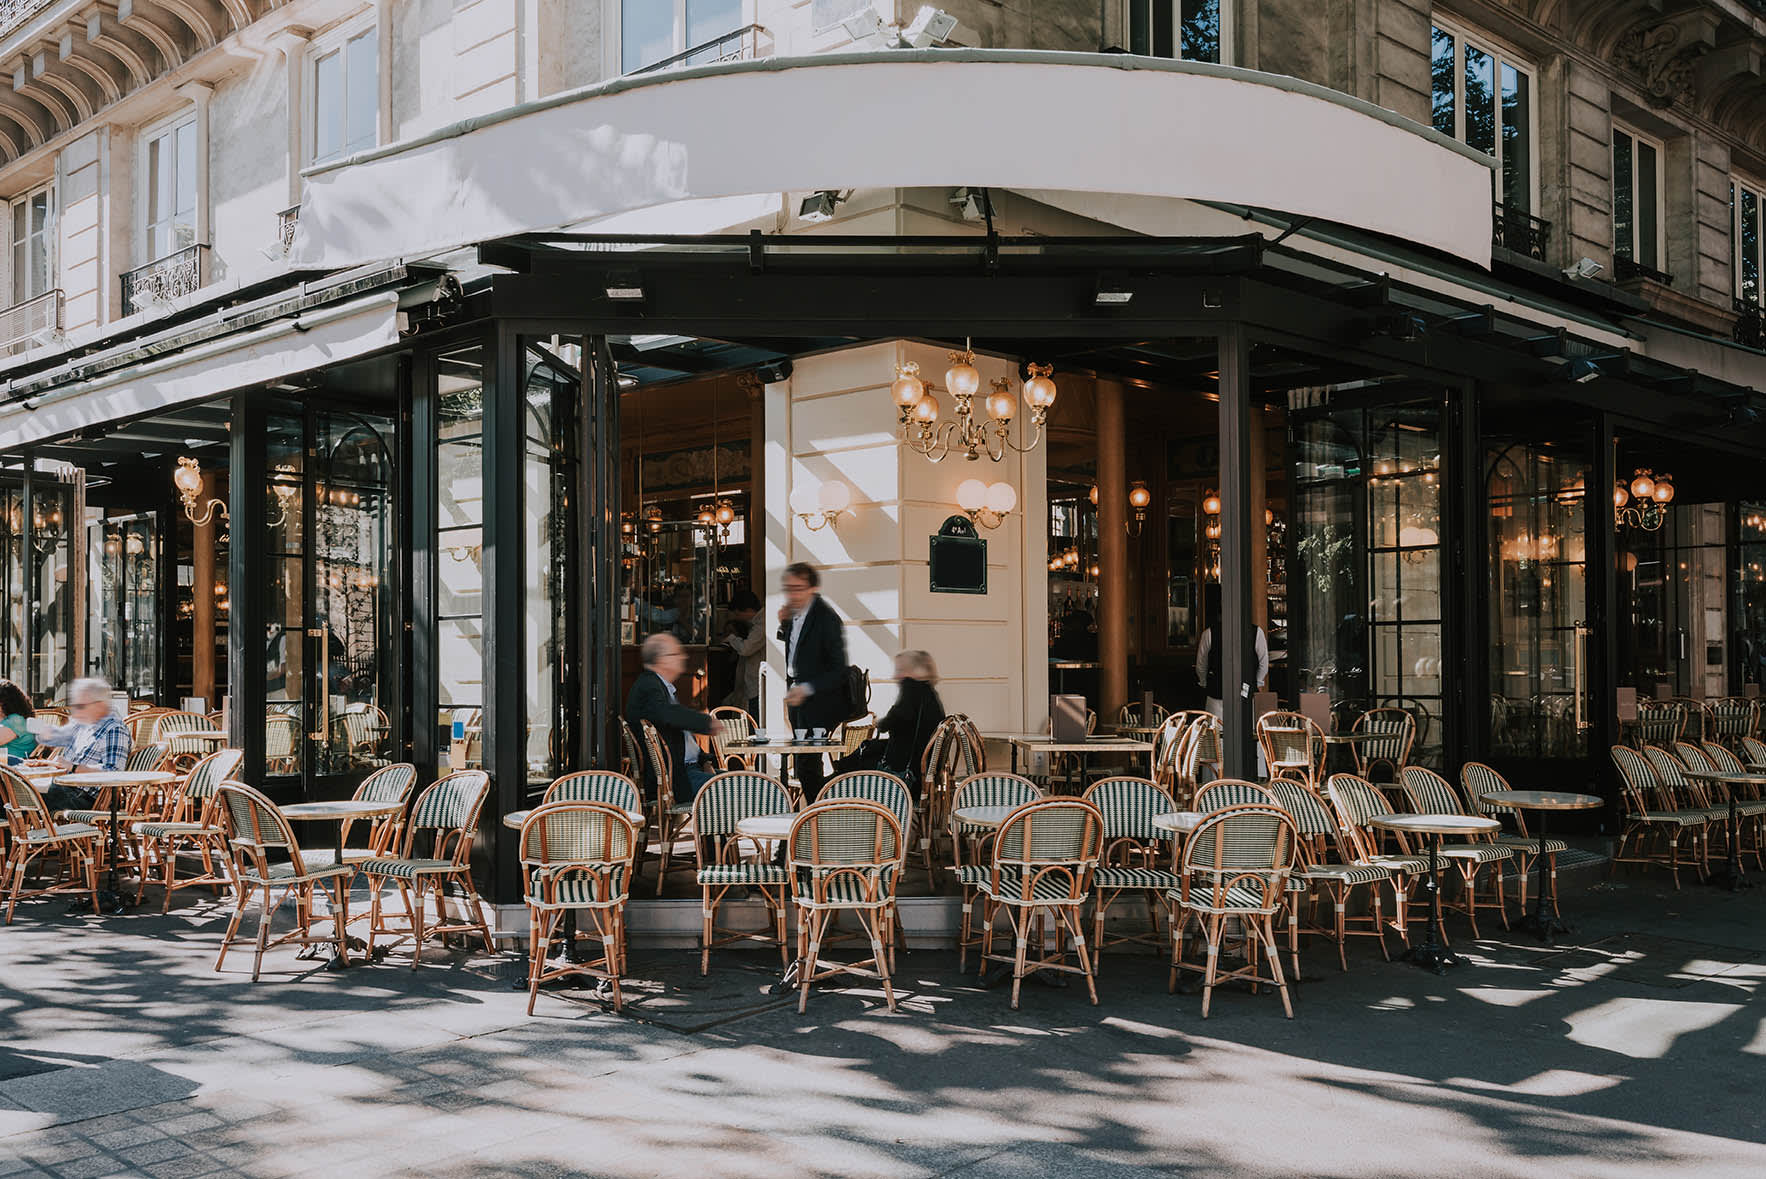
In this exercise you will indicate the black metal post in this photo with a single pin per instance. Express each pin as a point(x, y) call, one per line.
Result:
point(1601, 580)
point(1237, 679)
point(245, 583)
point(424, 680)
point(27, 541)
point(505, 599)
point(600, 532)
point(1465, 588)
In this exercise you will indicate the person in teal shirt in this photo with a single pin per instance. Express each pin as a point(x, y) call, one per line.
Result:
point(15, 706)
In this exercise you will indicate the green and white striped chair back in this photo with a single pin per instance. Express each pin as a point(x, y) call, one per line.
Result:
point(1311, 817)
point(595, 837)
point(1240, 857)
point(630, 753)
point(388, 783)
point(1357, 799)
point(729, 798)
point(170, 724)
point(968, 755)
point(279, 736)
point(1395, 730)
point(1128, 805)
point(140, 724)
point(1225, 792)
point(1429, 793)
point(1636, 779)
point(994, 790)
point(145, 758)
point(208, 774)
point(602, 786)
point(254, 824)
point(1725, 761)
point(1734, 717)
point(1659, 721)
point(1693, 757)
point(886, 790)
point(662, 767)
point(1052, 839)
point(1754, 750)
point(451, 804)
point(846, 832)
point(1478, 780)
point(25, 811)
point(1130, 714)
point(1669, 772)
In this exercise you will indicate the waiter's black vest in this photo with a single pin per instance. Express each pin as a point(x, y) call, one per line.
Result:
point(1211, 686)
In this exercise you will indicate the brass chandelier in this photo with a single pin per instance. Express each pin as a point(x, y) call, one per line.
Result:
point(964, 433)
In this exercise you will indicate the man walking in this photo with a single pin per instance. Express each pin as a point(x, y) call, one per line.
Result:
point(95, 741)
point(653, 699)
point(815, 664)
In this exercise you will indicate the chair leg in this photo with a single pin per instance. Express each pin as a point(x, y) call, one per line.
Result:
point(540, 927)
point(1091, 982)
point(871, 918)
point(233, 925)
point(707, 923)
point(340, 918)
point(484, 928)
point(1212, 933)
point(415, 906)
point(810, 937)
point(257, 962)
point(1020, 921)
point(1275, 966)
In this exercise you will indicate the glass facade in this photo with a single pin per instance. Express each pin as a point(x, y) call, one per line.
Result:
point(459, 544)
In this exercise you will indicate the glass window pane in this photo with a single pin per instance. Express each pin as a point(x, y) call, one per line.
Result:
point(1140, 30)
point(1480, 76)
point(362, 120)
point(1647, 213)
point(185, 162)
point(1517, 139)
point(710, 19)
point(1441, 79)
point(1201, 30)
point(1164, 44)
point(460, 572)
point(460, 662)
point(647, 32)
point(328, 106)
point(1624, 222)
point(19, 216)
point(1750, 246)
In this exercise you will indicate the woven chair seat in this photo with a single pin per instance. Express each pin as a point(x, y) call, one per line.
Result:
point(1050, 888)
point(285, 873)
point(1240, 898)
point(1750, 807)
point(1671, 818)
point(157, 830)
point(87, 816)
point(1482, 853)
point(971, 875)
point(722, 874)
point(1350, 874)
point(66, 833)
point(847, 891)
point(1402, 863)
point(1119, 877)
point(407, 869)
point(1530, 845)
point(579, 890)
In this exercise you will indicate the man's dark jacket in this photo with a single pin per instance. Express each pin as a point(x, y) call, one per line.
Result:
point(820, 662)
point(649, 701)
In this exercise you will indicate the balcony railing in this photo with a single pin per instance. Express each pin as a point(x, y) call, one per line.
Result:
point(22, 323)
point(1624, 268)
point(1750, 324)
point(1520, 231)
point(740, 45)
point(286, 221)
point(14, 13)
point(169, 278)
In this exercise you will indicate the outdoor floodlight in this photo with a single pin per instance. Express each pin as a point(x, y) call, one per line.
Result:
point(624, 286)
point(1584, 268)
point(819, 206)
point(1111, 290)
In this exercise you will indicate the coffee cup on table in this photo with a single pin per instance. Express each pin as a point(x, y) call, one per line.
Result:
point(802, 734)
point(819, 735)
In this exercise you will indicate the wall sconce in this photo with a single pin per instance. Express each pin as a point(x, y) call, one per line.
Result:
point(986, 504)
point(1138, 499)
point(1652, 494)
point(188, 480)
point(820, 507)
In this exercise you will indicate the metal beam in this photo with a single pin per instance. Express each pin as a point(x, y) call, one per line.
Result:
point(1238, 675)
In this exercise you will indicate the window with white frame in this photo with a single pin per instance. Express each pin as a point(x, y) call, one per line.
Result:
point(1484, 98)
point(33, 238)
point(343, 85)
point(1191, 30)
point(1747, 203)
point(169, 165)
point(656, 30)
point(1637, 198)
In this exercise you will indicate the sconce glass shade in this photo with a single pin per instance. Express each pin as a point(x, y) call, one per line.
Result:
point(725, 512)
point(1211, 504)
point(1621, 497)
point(1001, 498)
point(805, 499)
point(1643, 487)
point(926, 410)
point(971, 495)
point(1094, 495)
point(1138, 495)
point(188, 478)
point(1002, 404)
point(962, 378)
point(907, 388)
point(834, 496)
point(1664, 492)
point(1039, 391)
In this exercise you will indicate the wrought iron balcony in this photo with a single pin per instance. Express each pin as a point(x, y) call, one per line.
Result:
point(1750, 324)
point(14, 13)
point(1518, 230)
point(739, 45)
point(159, 282)
point(22, 323)
point(286, 221)
point(1624, 268)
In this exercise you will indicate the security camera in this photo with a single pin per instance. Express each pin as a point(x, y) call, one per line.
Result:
point(775, 371)
point(1584, 268)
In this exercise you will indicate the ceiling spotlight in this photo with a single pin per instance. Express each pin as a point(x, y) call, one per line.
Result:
point(624, 286)
point(1584, 268)
point(819, 206)
point(1582, 370)
point(1111, 290)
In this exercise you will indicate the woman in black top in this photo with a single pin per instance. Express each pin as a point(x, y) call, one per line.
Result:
point(917, 712)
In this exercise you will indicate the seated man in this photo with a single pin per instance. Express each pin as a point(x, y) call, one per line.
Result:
point(94, 742)
point(653, 699)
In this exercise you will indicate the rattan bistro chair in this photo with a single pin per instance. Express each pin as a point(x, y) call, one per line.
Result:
point(1225, 792)
point(667, 818)
point(1654, 825)
point(1040, 875)
point(1293, 745)
point(721, 803)
point(730, 724)
point(1430, 794)
point(1392, 733)
point(1317, 826)
point(578, 857)
point(1750, 807)
point(845, 856)
point(979, 790)
point(448, 812)
point(1478, 779)
point(602, 786)
point(389, 783)
point(1134, 859)
point(33, 834)
point(182, 753)
point(193, 824)
point(1235, 866)
point(1357, 802)
point(890, 793)
point(256, 830)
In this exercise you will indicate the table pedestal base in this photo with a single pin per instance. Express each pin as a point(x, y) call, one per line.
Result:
point(1731, 877)
point(1433, 953)
point(1432, 956)
point(1543, 925)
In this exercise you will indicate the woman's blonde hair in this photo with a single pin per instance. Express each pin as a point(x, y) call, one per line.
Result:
point(919, 664)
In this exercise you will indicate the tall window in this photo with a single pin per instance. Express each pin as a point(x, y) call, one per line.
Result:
point(1186, 29)
point(171, 188)
point(346, 95)
point(654, 30)
point(1746, 205)
point(1485, 100)
point(33, 222)
point(1637, 198)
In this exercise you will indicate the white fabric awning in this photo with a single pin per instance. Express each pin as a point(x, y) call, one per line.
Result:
point(308, 340)
point(1004, 119)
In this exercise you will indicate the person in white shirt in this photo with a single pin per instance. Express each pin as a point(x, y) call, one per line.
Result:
point(1209, 664)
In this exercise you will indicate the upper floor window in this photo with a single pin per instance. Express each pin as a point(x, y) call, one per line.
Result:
point(1746, 205)
point(1637, 198)
point(345, 87)
point(33, 235)
point(1484, 99)
point(1186, 29)
point(656, 30)
point(170, 168)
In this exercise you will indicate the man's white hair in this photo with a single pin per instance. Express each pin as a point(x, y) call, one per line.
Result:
point(84, 691)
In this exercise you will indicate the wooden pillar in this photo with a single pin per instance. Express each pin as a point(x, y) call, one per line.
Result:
point(202, 619)
point(1113, 571)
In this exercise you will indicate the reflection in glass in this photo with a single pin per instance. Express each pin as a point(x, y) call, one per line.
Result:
point(124, 626)
point(460, 551)
point(1480, 91)
point(552, 378)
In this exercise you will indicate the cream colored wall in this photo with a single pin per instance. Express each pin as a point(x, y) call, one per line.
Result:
point(834, 419)
point(79, 245)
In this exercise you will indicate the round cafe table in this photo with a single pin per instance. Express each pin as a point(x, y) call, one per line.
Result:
point(1731, 877)
point(989, 817)
point(1546, 924)
point(1433, 953)
point(340, 811)
point(773, 827)
point(110, 899)
point(514, 819)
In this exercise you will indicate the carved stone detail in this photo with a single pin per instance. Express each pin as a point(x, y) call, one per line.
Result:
point(1664, 57)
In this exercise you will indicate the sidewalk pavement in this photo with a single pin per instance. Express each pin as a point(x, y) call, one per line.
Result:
point(1636, 1050)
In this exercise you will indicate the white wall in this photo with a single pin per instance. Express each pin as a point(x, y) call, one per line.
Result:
point(834, 419)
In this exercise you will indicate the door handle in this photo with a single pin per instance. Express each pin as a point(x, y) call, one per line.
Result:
point(1579, 656)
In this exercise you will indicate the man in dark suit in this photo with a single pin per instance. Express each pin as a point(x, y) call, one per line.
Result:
point(653, 699)
point(815, 664)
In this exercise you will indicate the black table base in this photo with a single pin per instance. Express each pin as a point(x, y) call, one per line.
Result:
point(110, 900)
point(1433, 953)
point(1542, 922)
point(1731, 877)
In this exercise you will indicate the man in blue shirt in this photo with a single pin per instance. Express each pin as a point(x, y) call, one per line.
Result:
point(95, 742)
